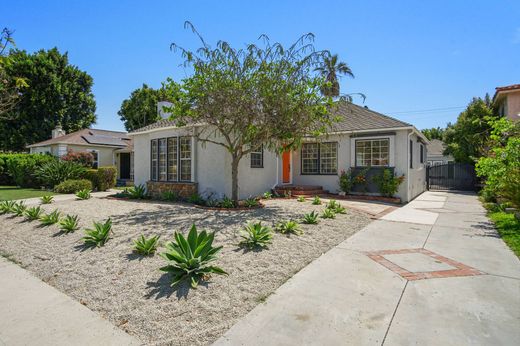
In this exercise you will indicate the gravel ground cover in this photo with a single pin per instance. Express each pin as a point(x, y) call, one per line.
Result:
point(133, 294)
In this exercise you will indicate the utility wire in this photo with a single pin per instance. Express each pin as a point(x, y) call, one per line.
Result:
point(445, 109)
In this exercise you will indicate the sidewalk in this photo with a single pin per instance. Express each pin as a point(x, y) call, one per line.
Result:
point(34, 313)
point(433, 272)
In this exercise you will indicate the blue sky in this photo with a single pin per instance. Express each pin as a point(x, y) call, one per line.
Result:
point(415, 60)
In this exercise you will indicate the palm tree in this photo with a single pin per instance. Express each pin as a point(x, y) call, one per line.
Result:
point(331, 69)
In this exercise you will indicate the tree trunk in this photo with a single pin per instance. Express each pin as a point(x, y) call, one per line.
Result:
point(234, 179)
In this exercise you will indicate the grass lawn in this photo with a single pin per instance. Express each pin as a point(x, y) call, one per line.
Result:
point(509, 229)
point(13, 192)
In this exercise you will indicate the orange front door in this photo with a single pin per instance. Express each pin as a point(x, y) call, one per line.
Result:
point(286, 167)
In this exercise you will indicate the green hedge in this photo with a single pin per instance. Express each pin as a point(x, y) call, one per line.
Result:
point(73, 186)
point(103, 178)
point(19, 169)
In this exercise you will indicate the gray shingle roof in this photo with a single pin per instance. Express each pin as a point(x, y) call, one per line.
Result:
point(90, 136)
point(354, 118)
point(436, 147)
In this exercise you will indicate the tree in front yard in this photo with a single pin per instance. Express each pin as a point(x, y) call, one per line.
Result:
point(57, 93)
point(263, 94)
point(331, 68)
point(141, 108)
point(10, 86)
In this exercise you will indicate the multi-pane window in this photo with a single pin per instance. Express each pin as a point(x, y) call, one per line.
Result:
point(257, 158)
point(185, 158)
point(373, 152)
point(154, 152)
point(171, 159)
point(162, 159)
point(319, 158)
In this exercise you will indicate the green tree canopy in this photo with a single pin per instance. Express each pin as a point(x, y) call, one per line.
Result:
point(141, 108)
point(10, 86)
point(434, 133)
point(57, 93)
point(263, 94)
point(331, 68)
point(467, 139)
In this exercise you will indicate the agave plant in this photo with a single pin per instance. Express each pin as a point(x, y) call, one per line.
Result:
point(51, 218)
point(301, 199)
point(33, 213)
point(190, 259)
point(98, 235)
point(256, 235)
point(289, 226)
point(310, 218)
point(47, 199)
point(69, 223)
point(19, 209)
point(316, 200)
point(251, 202)
point(137, 192)
point(227, 202)
point(328, 214)
point(268, 195)
point(84, 194)
point(336, 207)
point(146, 246)
point(7, 207)
point(171, 196)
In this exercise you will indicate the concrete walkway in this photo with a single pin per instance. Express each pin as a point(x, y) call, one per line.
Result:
point(34, 313)
point(433, 272)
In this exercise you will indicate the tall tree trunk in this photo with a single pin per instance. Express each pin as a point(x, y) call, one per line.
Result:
point(234, 178)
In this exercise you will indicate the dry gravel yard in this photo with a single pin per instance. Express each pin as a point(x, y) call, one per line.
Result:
point(133, 294)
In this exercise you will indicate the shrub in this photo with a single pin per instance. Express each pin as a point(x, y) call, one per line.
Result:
point(137, 192)
point(316, 200)
point(361, 179)
point(47, 199)
point(69, 223)
point(189, 259)
point(19, 209)
point(144, 246)
point(7, 207)
point(345, 181)
point(310, 218)
point(268, 195)
point(256, 235)
point(99, 235)
point(301, 199)
point(83, 158)
point(84, 194)
point(289, 226)
point(33, 213)
point(195, 198)
point(19, 169)
point(328, 214)
point(51, 218)
point(73, 186)
point(227, 202)
point(251, 202)
point(56, 172)
point(171, 196)
point(106, 178)
point(92, 176)
point(387, 182)
point(488, 195)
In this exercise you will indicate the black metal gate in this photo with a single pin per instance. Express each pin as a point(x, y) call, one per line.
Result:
point(452, 176)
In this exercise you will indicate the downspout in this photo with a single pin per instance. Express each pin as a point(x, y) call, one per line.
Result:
point(408, 167)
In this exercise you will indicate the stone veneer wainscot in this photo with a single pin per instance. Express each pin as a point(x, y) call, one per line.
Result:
point(157, 188)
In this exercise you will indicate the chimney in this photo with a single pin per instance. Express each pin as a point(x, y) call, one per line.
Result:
point(58, 132)
point(160, 110)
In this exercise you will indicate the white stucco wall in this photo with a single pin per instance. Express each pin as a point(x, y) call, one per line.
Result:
point(417, 174)
point(106, 155)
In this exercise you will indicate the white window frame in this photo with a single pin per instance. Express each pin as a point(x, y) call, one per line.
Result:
point(391, 148)
point(318, 159)
point(259, 151)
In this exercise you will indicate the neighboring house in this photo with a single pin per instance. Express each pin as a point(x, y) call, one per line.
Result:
point(508, 100)
point(435, 155)
point(168, 157)
point(109, 148)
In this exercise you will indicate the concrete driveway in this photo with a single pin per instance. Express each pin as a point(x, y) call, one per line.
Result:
point(433, 272)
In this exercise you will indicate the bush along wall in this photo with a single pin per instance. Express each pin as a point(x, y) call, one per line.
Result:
point(103, 178)
point(19, 169)
point(370, 180)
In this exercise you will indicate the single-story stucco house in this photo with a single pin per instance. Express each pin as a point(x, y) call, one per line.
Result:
point(169, 158)
point(109, 148)
point(435, 153)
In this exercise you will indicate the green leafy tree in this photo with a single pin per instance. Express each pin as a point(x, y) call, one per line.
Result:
point(141, 108)
point(10, 86)
point(331, 69)
point(264, 94)
point(58, 93)
point(434, 133)
point(467, 139)
point(501, 165)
